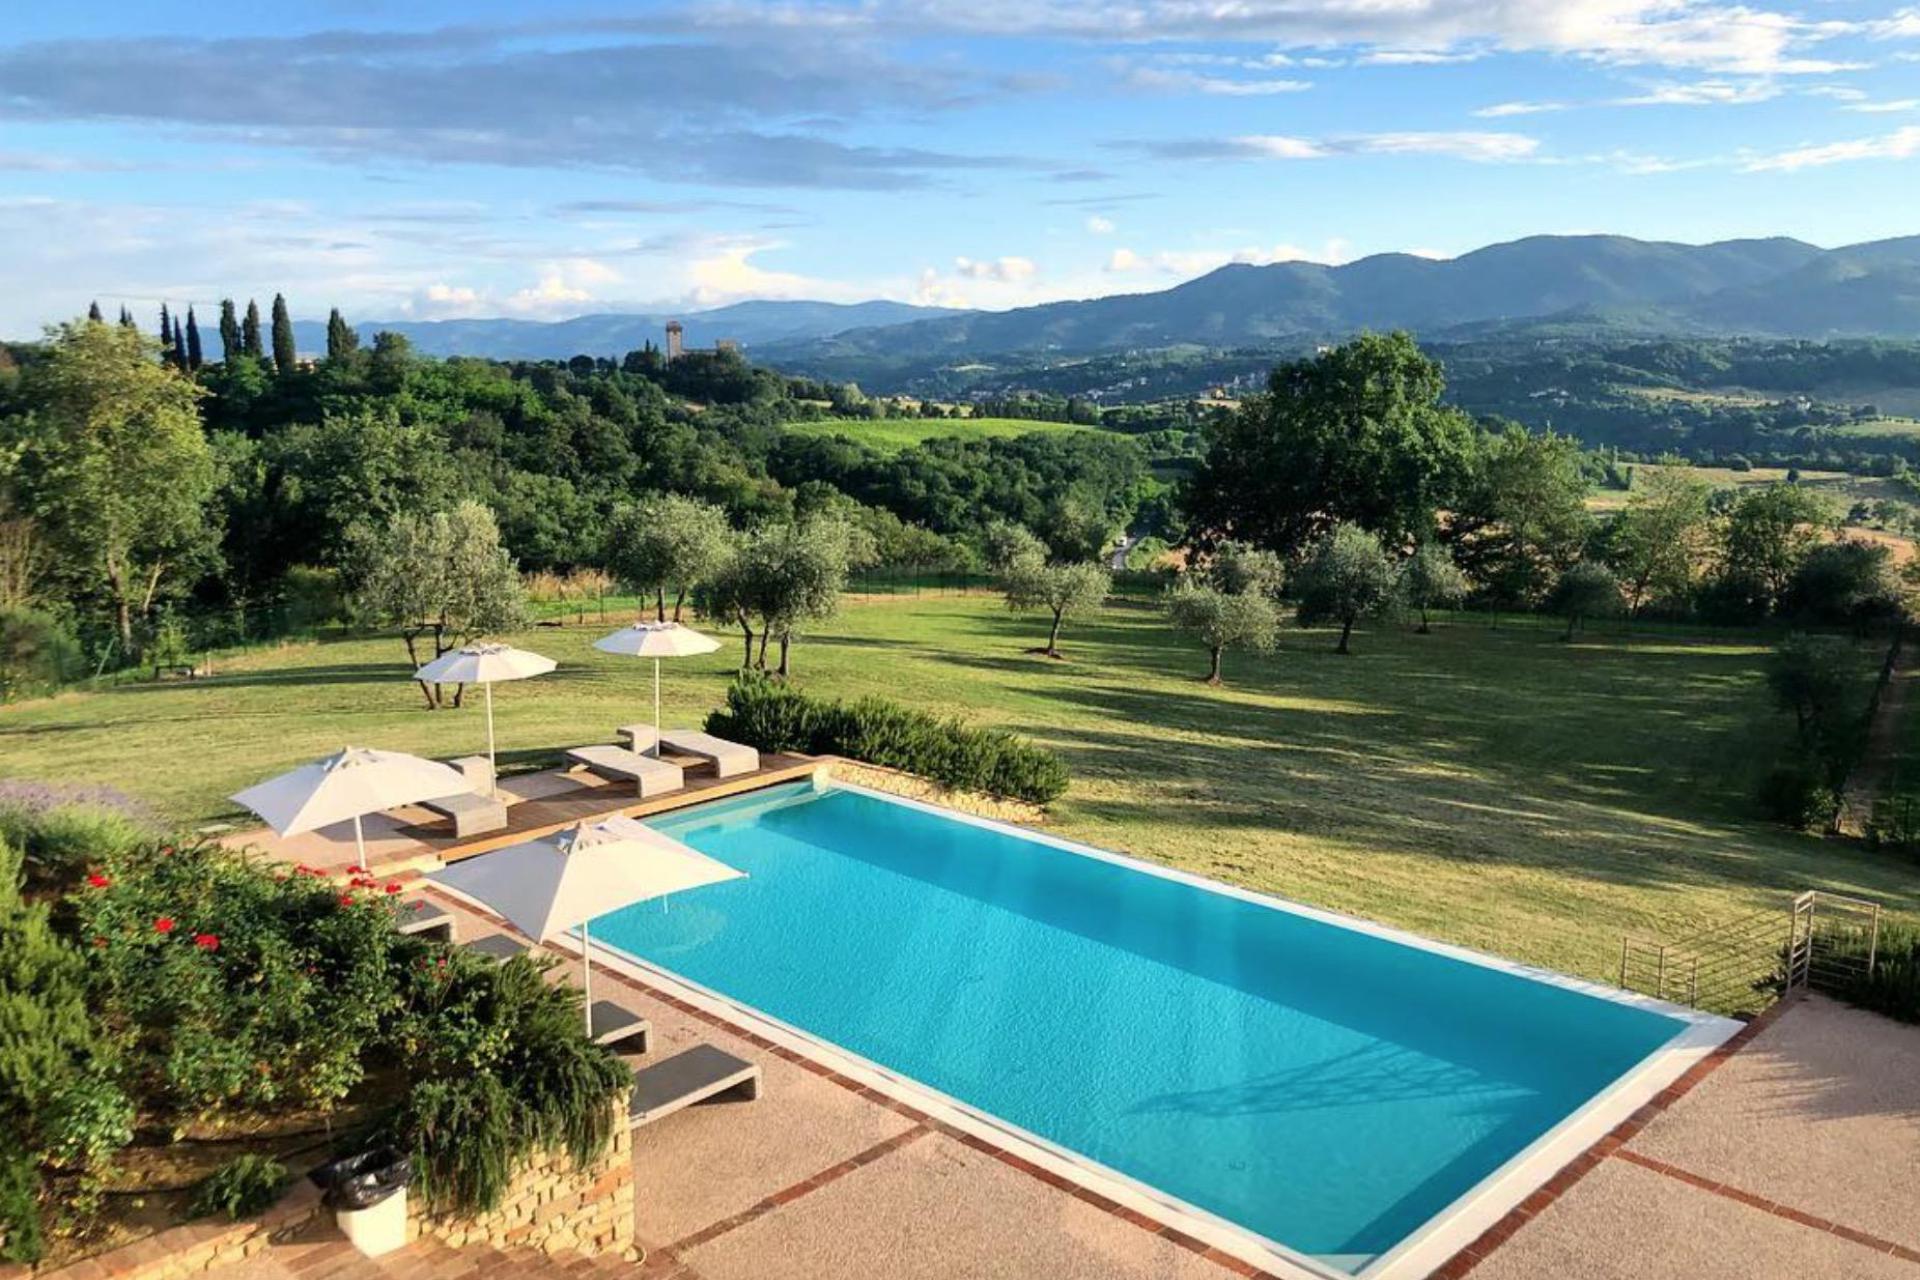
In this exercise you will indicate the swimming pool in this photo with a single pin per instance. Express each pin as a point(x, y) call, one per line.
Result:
point(1326, 1087)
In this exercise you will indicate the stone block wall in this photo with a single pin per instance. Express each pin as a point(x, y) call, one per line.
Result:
point(552, 1206)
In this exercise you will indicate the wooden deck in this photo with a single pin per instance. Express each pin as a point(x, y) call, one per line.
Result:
point(555, 800)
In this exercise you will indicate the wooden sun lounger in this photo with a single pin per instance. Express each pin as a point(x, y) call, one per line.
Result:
point(613, 1025)
point(498, 946)
point(423, 917)
point(700, 1073)
point(729, 759)
point(649, 776)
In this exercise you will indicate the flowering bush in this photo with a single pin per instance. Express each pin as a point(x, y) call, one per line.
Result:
point(244, 987)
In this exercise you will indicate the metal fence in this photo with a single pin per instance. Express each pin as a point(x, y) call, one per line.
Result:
point(1819, 941)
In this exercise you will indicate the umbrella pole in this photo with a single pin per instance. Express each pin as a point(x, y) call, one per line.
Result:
point(493, 765)
point(656, 707)
point(586, 978)
point(359, 842)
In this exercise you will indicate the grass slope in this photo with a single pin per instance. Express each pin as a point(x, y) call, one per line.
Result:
point(891, 435)
point(1491, 787)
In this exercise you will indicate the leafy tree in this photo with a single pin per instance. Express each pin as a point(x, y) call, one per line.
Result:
point(1030, 581)
point(1811, 676)
point(444, 575)
point(196, 355)
point(1347, 576)
point(115, 467)
point(1769, 532)
point(1242, 570)
point(781, 578)
point(342, 341)
point(1354, 435)
point(283, 351)
point(667, 542)
point(1431, 580)
point(1586, 590)
point(1849, 582)
point(250, 343)
point(1522, 518)
point(1006, 545)
point(1660, 539)
point(229, 331)
point(1223, 620)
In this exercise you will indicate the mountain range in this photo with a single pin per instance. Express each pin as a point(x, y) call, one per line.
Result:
point(1614, 285)
point(615, 334)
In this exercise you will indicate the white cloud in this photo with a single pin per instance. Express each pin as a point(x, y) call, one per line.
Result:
point(1703, 93)
point(1007, 270)
point(1901, 144)
point(1903, 25)
point(1417, 57)
point(1279, 147)
point(1888, 107)
point(1162, 81)
point(1192, 262)
point(1501, 110)
point(1486, 147)
point(1100, 226)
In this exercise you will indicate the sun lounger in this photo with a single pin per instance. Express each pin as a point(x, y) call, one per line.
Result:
point(424, 918)
point(474, 812)
point(498, 946)
point(649, 776)
point(700, 1073)
point(729, 758)
point(614, 1025)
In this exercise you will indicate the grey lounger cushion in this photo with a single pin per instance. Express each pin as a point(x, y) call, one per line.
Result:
point(651, 777)
point(615, 1025)
point(499, 946)
point(700, 1073)
point(421, 916)
point(729, 758)
point(472, 814)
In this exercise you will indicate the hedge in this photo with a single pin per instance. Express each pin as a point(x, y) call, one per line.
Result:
point(772, 716)
point(1894, 988)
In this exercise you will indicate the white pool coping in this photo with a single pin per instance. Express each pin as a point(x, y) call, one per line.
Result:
point(1441, 1236)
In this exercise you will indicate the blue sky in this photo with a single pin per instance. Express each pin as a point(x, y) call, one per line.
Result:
point(426, 159)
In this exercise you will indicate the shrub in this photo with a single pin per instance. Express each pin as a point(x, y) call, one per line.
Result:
point(500, 1070)
point(775, 717)
point(37, 652)
point(1799, 796)
point(1894, 987)
point(59, 842)
point(243, 1186)
point(21, 1239)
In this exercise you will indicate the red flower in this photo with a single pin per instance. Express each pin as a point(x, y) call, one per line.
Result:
point(206, 941)
point(393, 887)
point(98, 881)
point(346, 899)
point(163, 925)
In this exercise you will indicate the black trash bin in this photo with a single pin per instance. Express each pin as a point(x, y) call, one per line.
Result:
point(367, 1193)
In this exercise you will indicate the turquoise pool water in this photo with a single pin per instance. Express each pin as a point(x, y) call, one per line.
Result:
point(1322, 1086)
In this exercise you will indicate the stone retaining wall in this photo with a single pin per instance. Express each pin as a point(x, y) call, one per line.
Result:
point(914, 787)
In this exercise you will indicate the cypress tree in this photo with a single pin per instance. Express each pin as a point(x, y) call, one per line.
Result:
point(283, 352)
point(195, 356)
point(93, 311)
point(250, 333)
point(166, 331)
point(126, 317)
point(342, 341)
point(229, 330)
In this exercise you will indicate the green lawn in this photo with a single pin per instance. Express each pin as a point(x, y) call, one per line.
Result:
point(890, 435)
point(1494, 788)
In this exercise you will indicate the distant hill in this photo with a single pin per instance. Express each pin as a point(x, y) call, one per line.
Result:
point(748, 323)
point(1559, 284)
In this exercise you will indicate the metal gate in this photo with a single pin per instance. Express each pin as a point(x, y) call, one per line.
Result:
point(1826, 941)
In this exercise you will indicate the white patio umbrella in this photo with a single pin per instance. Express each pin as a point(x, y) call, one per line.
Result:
point(656, 640)
point(484, 664)
point(349, 784)
point(548, 886)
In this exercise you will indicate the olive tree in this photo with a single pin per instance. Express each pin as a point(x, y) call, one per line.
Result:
point(778, 579)
point(1431, 580)
point(1223, 620)
point(667, 543)
point(1347, 576)
point(1239, 569)
point(444, 575)
point(1586, 590)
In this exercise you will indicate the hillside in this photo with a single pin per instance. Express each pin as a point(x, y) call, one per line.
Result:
point(615, 334)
